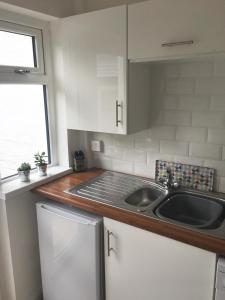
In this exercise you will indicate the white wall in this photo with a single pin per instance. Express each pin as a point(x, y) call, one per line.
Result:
point(187, 122)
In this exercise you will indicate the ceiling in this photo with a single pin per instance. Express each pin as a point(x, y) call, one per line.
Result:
point(59, 8)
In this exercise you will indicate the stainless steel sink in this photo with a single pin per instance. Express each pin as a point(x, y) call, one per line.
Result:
point(143, 197)
point(202, 212)
point(120, 190)
point(194, 210)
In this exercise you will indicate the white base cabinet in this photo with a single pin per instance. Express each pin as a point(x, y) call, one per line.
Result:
point(146, 266)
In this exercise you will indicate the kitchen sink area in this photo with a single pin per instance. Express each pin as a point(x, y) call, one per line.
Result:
point(198, 211)
point(143, 197)
point(193, 210)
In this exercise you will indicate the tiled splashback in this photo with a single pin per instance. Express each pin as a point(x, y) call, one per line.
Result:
point(195, 177)
point(187, 122)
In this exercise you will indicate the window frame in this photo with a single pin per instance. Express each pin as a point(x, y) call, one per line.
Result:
point(44, 76)
point(36, 34)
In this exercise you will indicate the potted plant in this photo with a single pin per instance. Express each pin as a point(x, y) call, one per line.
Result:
point(24, 172)
point(41, 163)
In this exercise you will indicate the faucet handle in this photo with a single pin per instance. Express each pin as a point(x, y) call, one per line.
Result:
point(164, 182)
point(175, 185)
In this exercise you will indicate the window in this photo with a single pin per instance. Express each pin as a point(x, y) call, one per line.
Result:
point(24, 127)
point(21, 55)
point(21, 48)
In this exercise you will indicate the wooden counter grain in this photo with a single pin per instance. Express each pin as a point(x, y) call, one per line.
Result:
point(55, 191)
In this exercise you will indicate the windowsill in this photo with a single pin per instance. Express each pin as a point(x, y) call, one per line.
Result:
point(14, 187)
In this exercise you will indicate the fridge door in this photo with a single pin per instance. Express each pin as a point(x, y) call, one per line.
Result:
point(70, 254)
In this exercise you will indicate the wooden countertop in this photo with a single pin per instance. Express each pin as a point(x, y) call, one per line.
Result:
point(54, 191)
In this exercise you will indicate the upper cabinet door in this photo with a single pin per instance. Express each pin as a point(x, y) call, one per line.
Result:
point(175, 28)
point(95, 62)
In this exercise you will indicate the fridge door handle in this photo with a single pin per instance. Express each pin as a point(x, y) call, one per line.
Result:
point(75, 218)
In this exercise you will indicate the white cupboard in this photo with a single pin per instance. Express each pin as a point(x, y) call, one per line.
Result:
point(143, 265)
point(96, 74)
point(175, 28)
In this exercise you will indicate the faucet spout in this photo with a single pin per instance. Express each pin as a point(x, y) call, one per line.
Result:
point(169, 175)
point(169, 182)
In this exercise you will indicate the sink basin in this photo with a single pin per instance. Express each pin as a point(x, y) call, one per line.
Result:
point(196, 211)
point(143, 197)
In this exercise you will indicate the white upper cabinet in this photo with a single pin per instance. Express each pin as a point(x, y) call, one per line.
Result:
point(95, 58)
point(175, 28)
point(96, 71)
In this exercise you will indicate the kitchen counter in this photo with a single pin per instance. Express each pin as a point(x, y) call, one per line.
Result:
point(55, 191)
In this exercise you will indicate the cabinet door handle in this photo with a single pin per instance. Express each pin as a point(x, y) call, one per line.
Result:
point(109, 248)
point(117, 113)
point(172, 44)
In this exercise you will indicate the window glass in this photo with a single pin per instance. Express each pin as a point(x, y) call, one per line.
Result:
point(23, 125)
point(17, 50)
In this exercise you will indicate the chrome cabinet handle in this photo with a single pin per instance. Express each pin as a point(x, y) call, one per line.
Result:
point(172, 44)
point(109, 248)
point(117, 113)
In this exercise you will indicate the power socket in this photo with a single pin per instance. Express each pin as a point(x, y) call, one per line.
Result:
point(96, 146)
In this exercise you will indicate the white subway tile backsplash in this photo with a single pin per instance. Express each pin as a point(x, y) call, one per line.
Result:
point(104, 137)
point(194, 103)
point(218, 103)
point(134, 155)
point(139, 139)
point(216, 136)
point(145, 142)
point(102, 162)
point(218, 165)
point(162, 132)
point(176, 118)
point(172, 70)
point(187, 122)
point(205, 150)
point(219, 69)
point(191, 134)
point(173, 147)
point(170, 102)
point(208, 119)
point(222, 185)
point(223, 154)
point(141, 169)
point(210, 86)
point(196, 69)
point(122, 166)
point(129, 154)
point(189, 160)
point(152, 157)
point(125, 141)
point(114, 152)
point(180, 86)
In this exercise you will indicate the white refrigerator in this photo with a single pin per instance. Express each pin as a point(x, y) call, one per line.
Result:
point(71, 253)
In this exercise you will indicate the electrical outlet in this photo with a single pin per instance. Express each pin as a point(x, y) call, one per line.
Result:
point(96, 146)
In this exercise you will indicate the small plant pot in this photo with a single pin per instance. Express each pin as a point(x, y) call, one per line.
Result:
point(24, 176)
point(42, 170)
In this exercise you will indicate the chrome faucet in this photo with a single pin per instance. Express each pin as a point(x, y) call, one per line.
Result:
point(169, 182)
